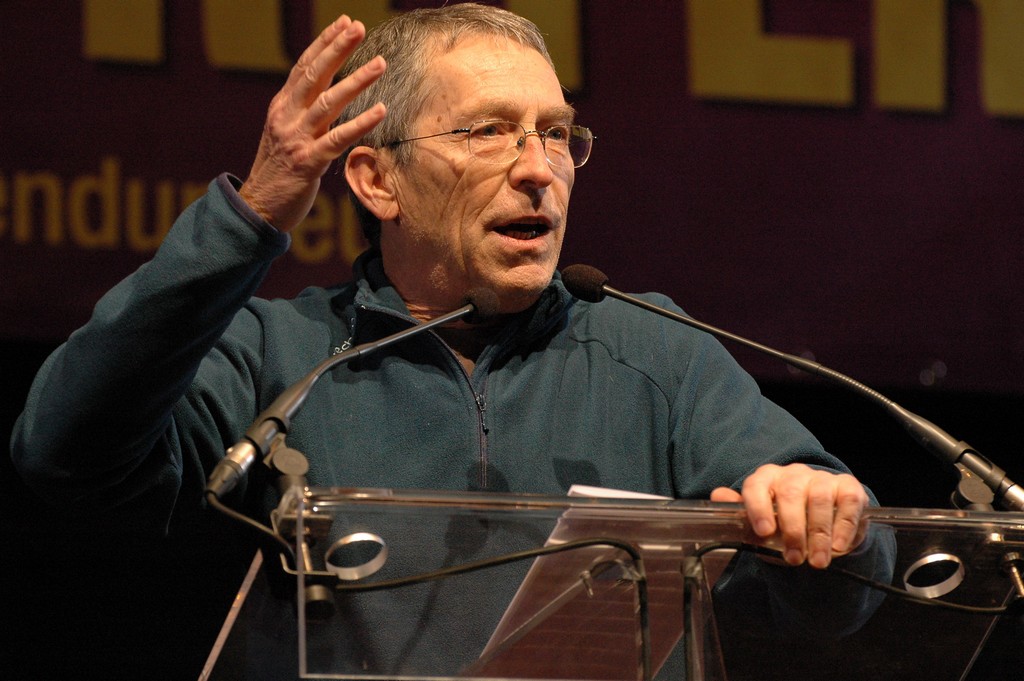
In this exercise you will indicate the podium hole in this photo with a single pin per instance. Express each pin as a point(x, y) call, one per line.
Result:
point(356, 556)
point(934, 575)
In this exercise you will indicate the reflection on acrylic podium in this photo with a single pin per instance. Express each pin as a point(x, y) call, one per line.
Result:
point(432, 585)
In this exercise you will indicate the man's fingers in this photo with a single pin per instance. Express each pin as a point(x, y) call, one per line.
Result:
point(815, 513)
point(329, 105)
point(820, 513)
point(725, 495)
point(317, 65)
point(759, 500)
point(341, 137)
point(790, 493)
point(298, 142)
point(848, 527)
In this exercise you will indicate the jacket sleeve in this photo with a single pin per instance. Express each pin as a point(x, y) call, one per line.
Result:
point(725, 430)
point(101, 424)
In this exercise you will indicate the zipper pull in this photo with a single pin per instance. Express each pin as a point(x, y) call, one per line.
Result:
point(481, 404)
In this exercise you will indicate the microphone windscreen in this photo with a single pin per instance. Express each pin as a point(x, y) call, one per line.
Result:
point(485, 304)
point(585, 282)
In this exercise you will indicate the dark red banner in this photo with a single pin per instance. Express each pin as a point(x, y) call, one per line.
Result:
point(836, 178)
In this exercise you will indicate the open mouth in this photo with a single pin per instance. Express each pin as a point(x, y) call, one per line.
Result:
point(523, 231)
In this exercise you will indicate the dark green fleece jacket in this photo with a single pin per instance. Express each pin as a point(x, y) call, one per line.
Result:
point(178, 359)
point(131, 414)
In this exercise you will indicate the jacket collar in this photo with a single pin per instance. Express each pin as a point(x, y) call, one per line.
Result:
point(373, 289)
point(375, 295)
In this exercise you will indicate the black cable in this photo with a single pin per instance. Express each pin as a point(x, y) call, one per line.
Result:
point(215, 502)
point(866, 581)
point(503, 560)
point(634, 553)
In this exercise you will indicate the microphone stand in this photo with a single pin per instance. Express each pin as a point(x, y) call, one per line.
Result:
point(266, 432)
point(265, 438)
point(981, 481)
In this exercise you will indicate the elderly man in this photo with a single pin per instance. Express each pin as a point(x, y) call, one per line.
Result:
point(462, 152)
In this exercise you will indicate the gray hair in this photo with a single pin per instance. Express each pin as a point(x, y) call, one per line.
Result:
point(409, 42)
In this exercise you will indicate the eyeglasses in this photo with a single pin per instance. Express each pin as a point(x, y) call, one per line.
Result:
point(504, 141)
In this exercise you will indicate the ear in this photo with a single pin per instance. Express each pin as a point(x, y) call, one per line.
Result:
point(367, 176)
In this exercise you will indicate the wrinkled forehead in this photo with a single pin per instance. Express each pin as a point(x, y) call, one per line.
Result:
point(491, 76)
point(442, 43)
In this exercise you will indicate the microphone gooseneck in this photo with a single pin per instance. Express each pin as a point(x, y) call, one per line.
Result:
point(590, 284)
point(481, 304)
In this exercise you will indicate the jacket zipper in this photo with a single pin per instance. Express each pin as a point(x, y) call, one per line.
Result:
point(481, 413)
point(478, 398)
point(481, 406)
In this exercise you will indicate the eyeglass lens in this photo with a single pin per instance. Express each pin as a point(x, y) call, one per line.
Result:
point(500, 141)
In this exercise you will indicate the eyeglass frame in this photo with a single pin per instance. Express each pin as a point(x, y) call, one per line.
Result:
point(541, 134)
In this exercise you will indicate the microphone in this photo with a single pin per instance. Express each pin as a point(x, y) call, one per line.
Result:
point(591, 285)
point(275, 420)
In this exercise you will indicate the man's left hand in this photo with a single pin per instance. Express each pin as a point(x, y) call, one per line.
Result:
point(816, 514)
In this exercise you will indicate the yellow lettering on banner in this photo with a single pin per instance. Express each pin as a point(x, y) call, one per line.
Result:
point(731, 57)
point(3, 206)
point(910, 55)
point(311, 238)
point(123, 30)
point(105, 210)
point(192, 192)
point(370, 12)
point(165, 210)
point(351, 240)
point(44, 187)
point(1002, 56)
point(103, 193)
point(559, 21)
point(245, 34)
point(249, 34)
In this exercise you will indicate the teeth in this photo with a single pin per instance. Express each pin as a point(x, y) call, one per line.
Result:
point(520, 231)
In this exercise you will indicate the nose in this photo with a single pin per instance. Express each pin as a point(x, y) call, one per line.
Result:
point(532, 166)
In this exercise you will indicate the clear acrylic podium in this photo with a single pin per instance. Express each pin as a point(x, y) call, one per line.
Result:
point(692, 607)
